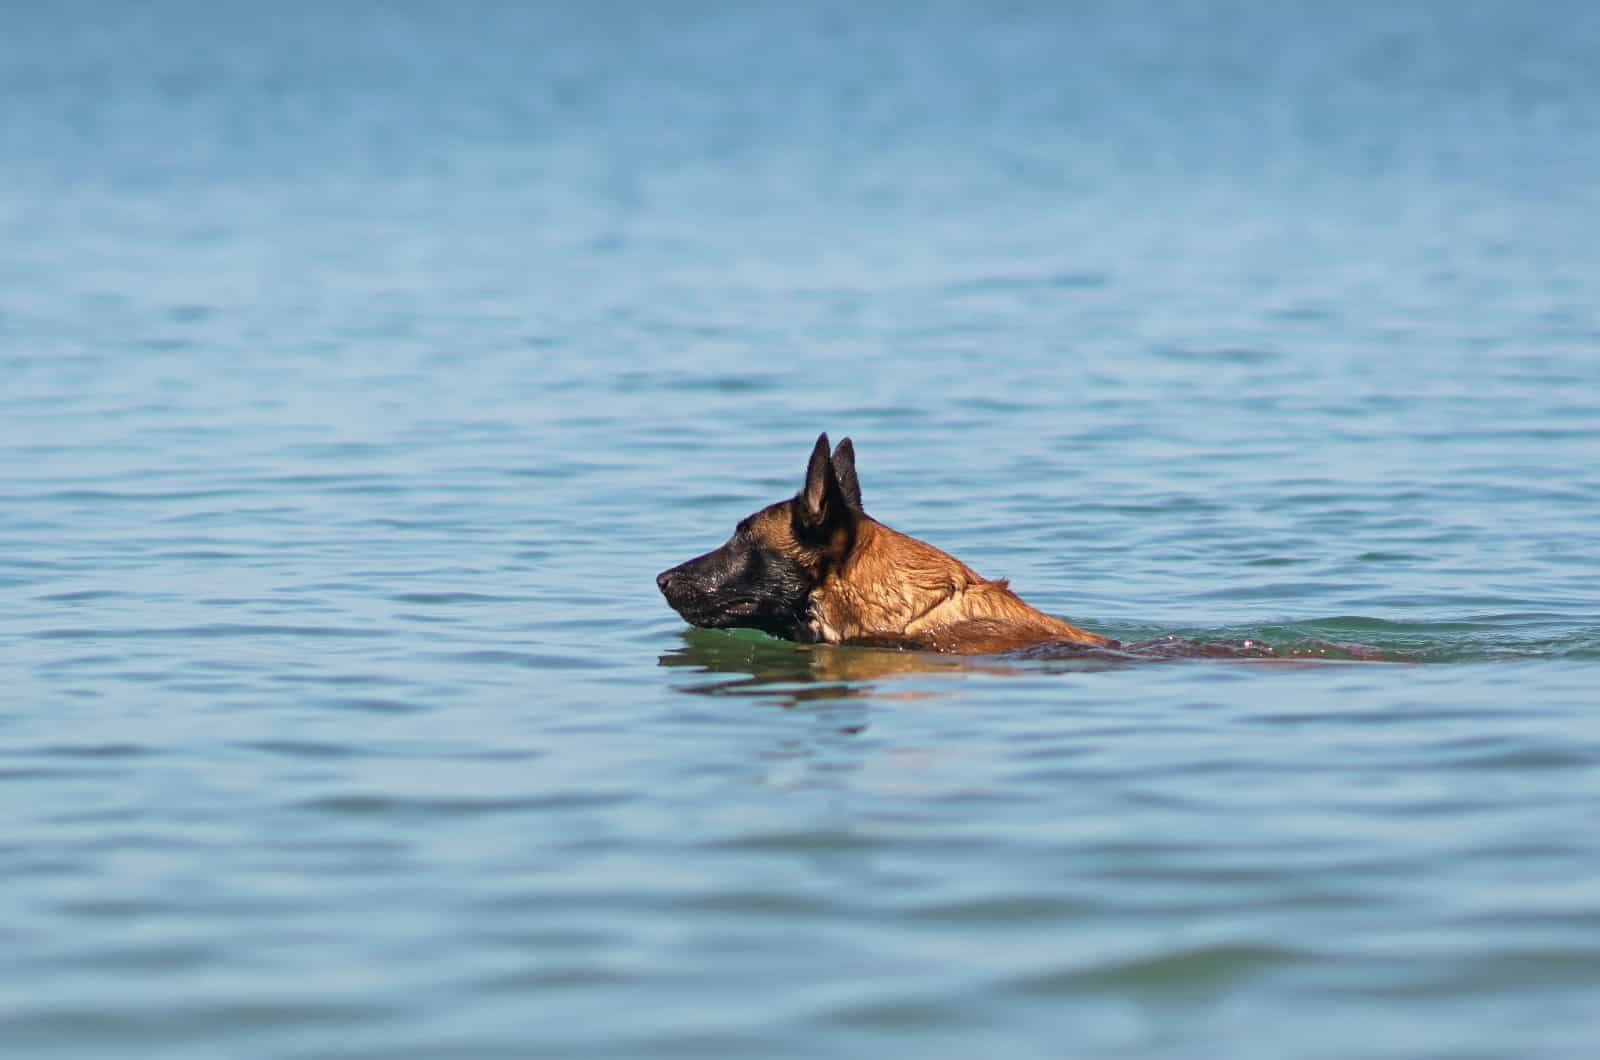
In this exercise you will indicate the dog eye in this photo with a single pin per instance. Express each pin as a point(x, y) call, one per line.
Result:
point(743, 527)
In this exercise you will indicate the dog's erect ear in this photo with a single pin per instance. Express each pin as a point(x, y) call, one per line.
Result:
point(844, 469)
point(822, 502)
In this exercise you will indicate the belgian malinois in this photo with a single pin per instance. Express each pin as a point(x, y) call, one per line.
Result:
point(819, 569)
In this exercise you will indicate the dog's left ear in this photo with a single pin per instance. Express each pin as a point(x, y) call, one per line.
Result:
point(822, 503)
point(844, 469)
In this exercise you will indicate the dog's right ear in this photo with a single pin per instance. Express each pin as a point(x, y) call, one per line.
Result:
point(822, 503)
point(844, 469)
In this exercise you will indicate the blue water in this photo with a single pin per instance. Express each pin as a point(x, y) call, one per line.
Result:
point(361, 364)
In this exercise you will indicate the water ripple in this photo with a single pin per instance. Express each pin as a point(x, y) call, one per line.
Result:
point(362, 364)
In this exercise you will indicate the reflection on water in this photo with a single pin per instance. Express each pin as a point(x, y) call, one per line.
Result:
point(748, 663)
point(792, 674)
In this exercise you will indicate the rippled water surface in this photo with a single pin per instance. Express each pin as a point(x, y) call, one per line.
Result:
point(361, 365)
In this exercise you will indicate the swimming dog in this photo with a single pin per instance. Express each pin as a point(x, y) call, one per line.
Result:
point(818, 569)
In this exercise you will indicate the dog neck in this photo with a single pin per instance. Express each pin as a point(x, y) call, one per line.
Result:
point(890, 584)
point(893, 587)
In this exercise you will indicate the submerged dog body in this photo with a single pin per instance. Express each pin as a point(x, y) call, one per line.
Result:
point(818, 569)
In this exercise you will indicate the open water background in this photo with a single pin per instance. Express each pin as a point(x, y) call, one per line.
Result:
point(361, 364)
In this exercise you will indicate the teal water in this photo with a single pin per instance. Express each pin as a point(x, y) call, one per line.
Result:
point(360, 366)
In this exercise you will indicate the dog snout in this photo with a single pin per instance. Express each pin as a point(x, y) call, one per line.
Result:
point(664, 579)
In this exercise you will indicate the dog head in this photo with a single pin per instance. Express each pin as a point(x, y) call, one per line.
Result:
point(764, 576)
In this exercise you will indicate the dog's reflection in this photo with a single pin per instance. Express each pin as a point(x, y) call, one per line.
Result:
point(748, 663)
point(752, 664)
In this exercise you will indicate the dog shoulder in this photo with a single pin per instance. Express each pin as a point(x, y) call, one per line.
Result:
point(989, 617)
point(974, 636)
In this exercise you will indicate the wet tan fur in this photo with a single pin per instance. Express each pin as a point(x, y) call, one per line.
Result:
point(887, 589)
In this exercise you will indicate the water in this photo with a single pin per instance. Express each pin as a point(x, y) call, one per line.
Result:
point(363, 364)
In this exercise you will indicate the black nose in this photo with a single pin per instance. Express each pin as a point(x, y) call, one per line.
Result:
point(663, 580)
